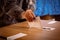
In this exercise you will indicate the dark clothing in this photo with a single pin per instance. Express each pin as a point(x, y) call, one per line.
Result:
point(11, 11)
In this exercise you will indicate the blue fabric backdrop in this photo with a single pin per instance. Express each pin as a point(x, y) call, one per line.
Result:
point(45, 7)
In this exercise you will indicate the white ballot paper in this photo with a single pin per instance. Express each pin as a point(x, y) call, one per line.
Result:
point(52, 22)
point(36, 23)
point(48, 28)
point(19, 35)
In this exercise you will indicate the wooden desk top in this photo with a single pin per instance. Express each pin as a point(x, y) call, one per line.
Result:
point(20, 28)
point(32, 33)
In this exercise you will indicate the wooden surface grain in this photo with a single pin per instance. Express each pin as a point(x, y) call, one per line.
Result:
point(32, 33)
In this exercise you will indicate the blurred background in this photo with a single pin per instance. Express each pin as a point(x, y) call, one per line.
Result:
point(48, 9)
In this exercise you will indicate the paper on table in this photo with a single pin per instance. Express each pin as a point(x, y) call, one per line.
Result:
point(16, 36)
point(51, 22)
point(36, 23)
point(48, 28)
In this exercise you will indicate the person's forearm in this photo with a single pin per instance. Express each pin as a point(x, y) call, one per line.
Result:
point(16, 12)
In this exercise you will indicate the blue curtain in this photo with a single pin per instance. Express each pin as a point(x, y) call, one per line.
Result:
point(47, 7)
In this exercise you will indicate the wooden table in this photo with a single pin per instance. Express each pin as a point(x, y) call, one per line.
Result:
point(32, 33)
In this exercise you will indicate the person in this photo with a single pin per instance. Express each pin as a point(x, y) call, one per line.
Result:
point(13, 11)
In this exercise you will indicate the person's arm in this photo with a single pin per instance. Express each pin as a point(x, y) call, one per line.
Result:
point(18, 13)
point(29, 14)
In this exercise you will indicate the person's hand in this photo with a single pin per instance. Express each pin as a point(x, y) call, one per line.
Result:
point(29, 15)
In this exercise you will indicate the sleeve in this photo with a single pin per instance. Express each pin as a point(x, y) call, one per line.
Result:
point(31, 4)
point(16, 12)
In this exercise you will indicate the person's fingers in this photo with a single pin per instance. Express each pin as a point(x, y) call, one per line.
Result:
point(29, 16)
point(31, 13)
